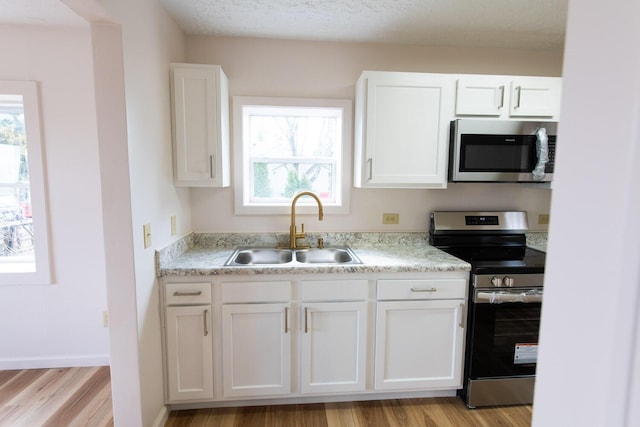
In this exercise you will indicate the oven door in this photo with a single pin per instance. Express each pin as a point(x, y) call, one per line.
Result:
point(504, 326)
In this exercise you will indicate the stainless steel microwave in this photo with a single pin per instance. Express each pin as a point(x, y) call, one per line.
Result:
point(502, 151)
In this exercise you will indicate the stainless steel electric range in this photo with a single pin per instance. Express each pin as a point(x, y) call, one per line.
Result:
point(505, 299)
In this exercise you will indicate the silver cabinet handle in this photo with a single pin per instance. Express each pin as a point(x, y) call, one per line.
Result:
point(424, 290)
point(306, 320)
point(462, 322)
point(370, 166)
point(286, 320)
point(518, 91)
point(187, 294)
point(206, 323)
point(501, 104)
point(212, 167)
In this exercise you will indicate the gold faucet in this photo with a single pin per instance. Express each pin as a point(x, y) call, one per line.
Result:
point(294, 235)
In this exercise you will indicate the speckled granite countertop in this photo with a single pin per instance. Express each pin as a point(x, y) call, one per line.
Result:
point(205, 254)
point(537, 240)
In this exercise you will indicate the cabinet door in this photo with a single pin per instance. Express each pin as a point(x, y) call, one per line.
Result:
point(333, 347)
point(404, 130)
point(200, 124)
point(535, 97)
point(419, 344)
point(189, 353)
point(480, 96)
point(256, 346)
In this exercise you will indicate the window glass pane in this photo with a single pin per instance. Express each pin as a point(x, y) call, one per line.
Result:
point(287, 145)
point(16, 230)
point(292, 149)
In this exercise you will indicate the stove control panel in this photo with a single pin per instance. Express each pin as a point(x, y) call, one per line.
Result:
point(507, 281)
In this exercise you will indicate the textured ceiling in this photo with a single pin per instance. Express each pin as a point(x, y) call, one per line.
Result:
point(537, 24)
point(492, 23)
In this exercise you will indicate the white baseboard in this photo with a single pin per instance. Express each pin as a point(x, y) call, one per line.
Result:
point(54, 362)
point(162, 417)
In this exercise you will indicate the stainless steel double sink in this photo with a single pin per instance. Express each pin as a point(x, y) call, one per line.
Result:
point(265, 256)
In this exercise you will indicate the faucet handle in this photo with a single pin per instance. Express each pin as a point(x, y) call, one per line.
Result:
point(320, 243)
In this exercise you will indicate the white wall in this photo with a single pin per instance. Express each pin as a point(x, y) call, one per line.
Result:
point(591, 313)
point(329, 70)
point(60, 324)
point(151, 40)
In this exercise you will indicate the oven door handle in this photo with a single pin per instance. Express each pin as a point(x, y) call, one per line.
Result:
point(499, 297)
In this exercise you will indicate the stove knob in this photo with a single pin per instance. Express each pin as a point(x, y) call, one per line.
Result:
point(508, 281)
point(496, 281)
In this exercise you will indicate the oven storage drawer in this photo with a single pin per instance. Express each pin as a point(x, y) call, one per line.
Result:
point(421, 289)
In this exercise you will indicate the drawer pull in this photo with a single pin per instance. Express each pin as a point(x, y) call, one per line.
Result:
point(206, 324)
point(187, 294)
point(424, 290)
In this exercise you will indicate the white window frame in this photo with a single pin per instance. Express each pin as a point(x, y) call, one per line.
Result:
point(241, 171)
point(10, 272)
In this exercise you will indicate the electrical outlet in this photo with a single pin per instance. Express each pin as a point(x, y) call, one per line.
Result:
point(105, 319)
point(390, 218)
point(146, 230)
point(543, 219)
point(173, 225)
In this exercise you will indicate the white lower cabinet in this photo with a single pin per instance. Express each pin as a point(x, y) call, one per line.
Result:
point(256, 339)
point(188, 340)
point(333, 339)
point(419, 337)
point(256, 347)
point(305, 338)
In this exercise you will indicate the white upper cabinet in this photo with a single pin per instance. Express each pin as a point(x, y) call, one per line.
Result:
point(402, 129)
point(508, 96)
point(200, 109)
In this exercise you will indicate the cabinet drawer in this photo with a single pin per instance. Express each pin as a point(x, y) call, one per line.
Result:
point(187, 293)
point(421, 289)
point(242, 292)
point(334, 290)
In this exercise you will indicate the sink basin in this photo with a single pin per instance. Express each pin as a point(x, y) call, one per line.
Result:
point(252, 256)
point(260, 256)
point(327, 256)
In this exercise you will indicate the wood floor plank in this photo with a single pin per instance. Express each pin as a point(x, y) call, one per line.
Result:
point(43, 396)
point(80, 397)
point(17, 383)
point(66, 414)
point(97, 411)
point(223, 417)
point(404, 412)
point(371, 414)
point(340, 414)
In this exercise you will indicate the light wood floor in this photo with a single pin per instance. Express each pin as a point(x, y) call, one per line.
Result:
point(70, 397)
point(81, 397)
point(434, 412)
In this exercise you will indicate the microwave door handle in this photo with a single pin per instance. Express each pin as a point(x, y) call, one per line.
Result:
point(542, 151)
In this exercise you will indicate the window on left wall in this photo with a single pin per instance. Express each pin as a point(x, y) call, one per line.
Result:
point(24, 235)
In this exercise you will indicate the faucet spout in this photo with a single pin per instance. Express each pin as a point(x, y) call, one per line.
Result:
point(294, 235)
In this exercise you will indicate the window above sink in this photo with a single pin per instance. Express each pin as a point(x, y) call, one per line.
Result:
point(286, 145)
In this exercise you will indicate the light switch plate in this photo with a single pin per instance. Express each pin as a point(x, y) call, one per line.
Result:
point(146, 230)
